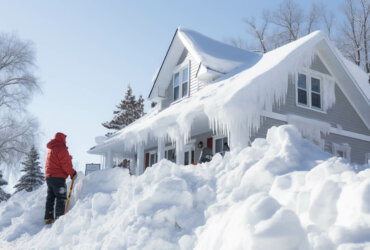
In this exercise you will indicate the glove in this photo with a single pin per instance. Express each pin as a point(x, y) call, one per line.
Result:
point(74, 176)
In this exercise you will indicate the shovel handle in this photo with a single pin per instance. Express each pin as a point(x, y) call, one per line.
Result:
point(69, 196)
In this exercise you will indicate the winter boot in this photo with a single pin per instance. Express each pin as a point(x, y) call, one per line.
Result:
point(49, 221)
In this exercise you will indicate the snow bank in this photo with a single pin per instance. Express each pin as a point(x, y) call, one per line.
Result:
point(282, 192)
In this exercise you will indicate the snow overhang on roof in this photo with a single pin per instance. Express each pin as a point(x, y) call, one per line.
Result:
point(216, 58)
point(236, 101)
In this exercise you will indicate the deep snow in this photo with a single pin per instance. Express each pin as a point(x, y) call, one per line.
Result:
point(282, 192)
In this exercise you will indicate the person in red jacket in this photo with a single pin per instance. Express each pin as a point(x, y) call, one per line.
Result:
point(58, 167)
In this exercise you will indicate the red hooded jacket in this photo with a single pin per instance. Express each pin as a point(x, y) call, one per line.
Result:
point(58, 161)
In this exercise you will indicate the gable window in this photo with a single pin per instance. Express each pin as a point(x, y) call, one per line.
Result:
point(181, 83)
point(302, 89)
point(176, 86)
point(315, 93)
point(185, 81)
point(309, 91)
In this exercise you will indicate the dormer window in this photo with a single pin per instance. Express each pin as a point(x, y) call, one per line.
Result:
point(181, 83)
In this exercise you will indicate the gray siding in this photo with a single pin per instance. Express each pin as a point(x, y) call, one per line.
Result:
point(266, 123)
point(319, 66)
point(342, 112)
point(358, 147)
point(194, 84)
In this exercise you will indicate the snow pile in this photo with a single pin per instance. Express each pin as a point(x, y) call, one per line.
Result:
point(281, 193)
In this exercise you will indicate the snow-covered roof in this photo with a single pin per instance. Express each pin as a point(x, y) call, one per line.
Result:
point(360, 77)
point(237, 101)
point(216, 55)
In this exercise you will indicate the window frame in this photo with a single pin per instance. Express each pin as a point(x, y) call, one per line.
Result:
point(166, 149)
point(367, 158)
point(345, 147)
point(155, 154)
point(217, 137)
point(179, 70)
point(190, 147)
point(309, 75)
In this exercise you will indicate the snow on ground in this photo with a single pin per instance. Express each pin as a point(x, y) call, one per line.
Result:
point(281, 193)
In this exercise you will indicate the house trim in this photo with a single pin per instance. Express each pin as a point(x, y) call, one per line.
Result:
point(333, 130)
point(309, 73)
point(164, 59)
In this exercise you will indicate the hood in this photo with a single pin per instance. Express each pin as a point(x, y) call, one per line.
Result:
point(59, 139)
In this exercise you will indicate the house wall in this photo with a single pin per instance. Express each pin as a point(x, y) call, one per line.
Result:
point(194, 84)
point(266, 123)
point(359, 148)
point(342, 113)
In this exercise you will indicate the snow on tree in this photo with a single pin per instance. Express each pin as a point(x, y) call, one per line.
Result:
point(17, 84)
point(3, 195)
point(127, 111)
point(33, 178)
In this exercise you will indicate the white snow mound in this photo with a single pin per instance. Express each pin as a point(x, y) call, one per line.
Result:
point(282, 192)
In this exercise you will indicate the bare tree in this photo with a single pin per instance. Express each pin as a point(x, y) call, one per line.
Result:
point(16, 136)
point(238, 42)
point(328, 18)
point(352, 32)
point(288, 22)
point(17, 83)
point(365, 8)
point(259, 32)
point(289, 19)
point(314, 16)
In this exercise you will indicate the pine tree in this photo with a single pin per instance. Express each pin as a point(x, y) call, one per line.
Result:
point(33, 178)
point(3, 195)
point(127, 111)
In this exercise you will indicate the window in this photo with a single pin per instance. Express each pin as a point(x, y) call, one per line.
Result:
point(315, 93)
point(181, 83)
point(342, 150)
point(367, 158)
point(176, 87)
point(185, 80)
point(309, 91)
point(302, 89)
point(189, 157)
point(169, 154)
point(220, 145)
point(153, 158)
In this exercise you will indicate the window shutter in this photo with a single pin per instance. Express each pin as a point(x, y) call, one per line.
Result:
point(210, 143)
point(146, 160)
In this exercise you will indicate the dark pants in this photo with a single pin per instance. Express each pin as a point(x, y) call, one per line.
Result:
point(57, 190)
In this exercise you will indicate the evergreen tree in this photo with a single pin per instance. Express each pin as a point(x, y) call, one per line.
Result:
point(33, 178)
point(3, 195)
point(127, 111)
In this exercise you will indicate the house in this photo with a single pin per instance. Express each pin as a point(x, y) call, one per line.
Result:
point(210, 92)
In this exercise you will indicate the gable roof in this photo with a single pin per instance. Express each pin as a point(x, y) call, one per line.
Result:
point(237, 101)
point(216, 55)
point(211, 54)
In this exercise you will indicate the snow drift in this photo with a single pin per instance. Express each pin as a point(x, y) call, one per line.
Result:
point(282, 192)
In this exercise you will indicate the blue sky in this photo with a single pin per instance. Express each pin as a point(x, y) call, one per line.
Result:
point(89, 51)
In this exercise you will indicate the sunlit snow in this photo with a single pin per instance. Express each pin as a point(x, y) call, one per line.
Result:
point(282, 192)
